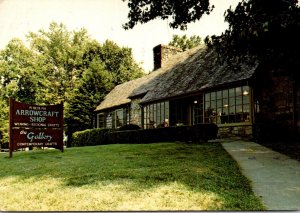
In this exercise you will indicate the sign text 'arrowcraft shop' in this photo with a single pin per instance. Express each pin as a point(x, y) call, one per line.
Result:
point(35, 126)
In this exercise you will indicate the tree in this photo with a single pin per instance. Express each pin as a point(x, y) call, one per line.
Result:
point(106, 66)
point(95, 83)
point(265, 30)
point(181, 12)
point(185, 43)
point(61, 65)
point(119, 61)
point(61, 59)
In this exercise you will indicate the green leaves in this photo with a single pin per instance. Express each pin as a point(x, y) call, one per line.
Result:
point(185, 43)
point(62, 65)
point(180, 12)
point(267, 30)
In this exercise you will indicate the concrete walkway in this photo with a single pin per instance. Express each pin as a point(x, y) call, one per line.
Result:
point(275, 177)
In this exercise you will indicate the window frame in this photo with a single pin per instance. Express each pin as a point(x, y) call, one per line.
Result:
point(235, 108)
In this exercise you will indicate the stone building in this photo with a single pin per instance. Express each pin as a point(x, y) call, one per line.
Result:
point(193, 87)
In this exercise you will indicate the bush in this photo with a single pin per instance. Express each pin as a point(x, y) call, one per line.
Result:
point(197, 133)
point(129, 127)
point(90, 137)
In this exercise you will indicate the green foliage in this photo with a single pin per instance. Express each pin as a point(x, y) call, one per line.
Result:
point(130, 127)
point(61, 65)
point(107, 65)
point(197, 133)
point(90, 137)
point(185, 43)
point(266, 30)
point(181, 12)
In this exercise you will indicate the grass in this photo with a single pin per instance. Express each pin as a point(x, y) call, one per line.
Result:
point(163, 176)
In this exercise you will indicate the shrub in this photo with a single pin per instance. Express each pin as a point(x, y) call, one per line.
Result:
point(129, 127)
point(197, 133)
point(90, 137)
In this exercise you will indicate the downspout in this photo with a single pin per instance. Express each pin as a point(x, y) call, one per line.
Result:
point(142, 116)
point(294, 109)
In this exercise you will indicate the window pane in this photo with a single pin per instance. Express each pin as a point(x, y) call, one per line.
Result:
point(219, 111)
point(207, 97)
point(207, 105)
point(219, 104)
point(246, 108)
point(213, 105)
point(231, 110)
point(219, 95)
point(225, 110)
point(246, 99)
point(238, 91)
point(225, 93)
point(225, 103)
point(158, 114)
point(238, 100)
point(231, 101)
point(162, 111)
point(213, 95)
point(167, 110)
point(119, 117)
point(231, 92)
point(245, 90)
point(239, 109)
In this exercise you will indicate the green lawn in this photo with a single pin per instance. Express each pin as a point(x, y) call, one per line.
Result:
point(163, 176)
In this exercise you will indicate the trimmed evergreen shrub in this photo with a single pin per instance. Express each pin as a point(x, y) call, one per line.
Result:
point(90, 137)
point(129, 127)
point(197, 133)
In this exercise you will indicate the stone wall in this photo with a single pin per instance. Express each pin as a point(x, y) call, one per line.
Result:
point(135, 112)
point(277, 97)
point(243, 131)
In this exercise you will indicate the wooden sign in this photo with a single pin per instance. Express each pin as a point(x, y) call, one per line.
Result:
point(35, 125)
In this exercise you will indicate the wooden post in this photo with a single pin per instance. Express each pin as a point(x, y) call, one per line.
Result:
point(62, 125)
point(11, 142)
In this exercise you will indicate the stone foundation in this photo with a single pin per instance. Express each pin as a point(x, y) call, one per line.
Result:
point(243, 131)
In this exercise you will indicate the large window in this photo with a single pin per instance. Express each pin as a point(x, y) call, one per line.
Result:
point(180, 112)
point(227, 106)
point(101, 120)
point(113, 119)
point(156, 115)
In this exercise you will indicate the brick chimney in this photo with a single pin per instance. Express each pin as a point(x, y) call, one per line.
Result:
point(162, 53)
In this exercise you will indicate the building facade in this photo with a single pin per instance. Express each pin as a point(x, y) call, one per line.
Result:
point(193, 87)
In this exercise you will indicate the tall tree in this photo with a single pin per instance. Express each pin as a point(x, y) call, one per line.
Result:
point(180, 12)
point(95, 83)
point(107, 65)
point(184, 42)
point(61, 65)
point(267, 30)
point(61, 54)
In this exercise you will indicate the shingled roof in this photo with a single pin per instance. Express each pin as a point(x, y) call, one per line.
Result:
point(187, 72)
point(193, 71)
point(121, 94)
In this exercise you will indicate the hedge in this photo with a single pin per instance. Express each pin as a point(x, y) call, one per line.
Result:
point(196, 133)
point(90, 137)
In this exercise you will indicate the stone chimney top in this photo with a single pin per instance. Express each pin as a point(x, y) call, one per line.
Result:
point(162, 53)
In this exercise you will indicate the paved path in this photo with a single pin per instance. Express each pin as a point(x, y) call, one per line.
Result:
point(274, 176)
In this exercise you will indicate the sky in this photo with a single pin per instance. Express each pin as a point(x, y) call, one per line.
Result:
point(103, 19)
